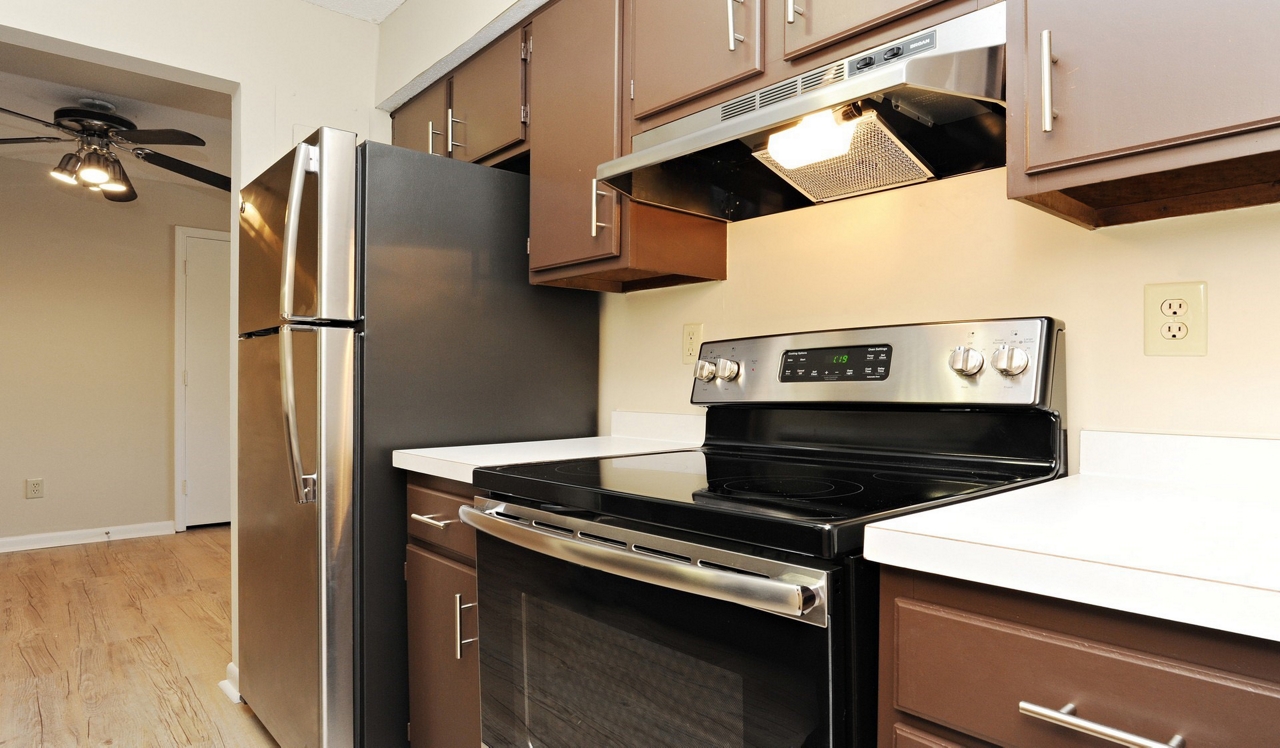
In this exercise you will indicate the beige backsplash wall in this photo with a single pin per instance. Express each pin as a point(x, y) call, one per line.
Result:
point(957, 249)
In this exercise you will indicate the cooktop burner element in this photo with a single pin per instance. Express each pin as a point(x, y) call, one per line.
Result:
point(812, 436)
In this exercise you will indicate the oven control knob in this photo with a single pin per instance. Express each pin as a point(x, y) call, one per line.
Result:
point(705, 370)
point(1010, 361)
point(727, 370)
point(965, 361)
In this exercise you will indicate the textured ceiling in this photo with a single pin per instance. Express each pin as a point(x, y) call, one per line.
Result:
point(374, 11)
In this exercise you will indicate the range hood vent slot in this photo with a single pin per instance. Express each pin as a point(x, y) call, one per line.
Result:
point(737, 107)
point(822, 77)
point(780, 92)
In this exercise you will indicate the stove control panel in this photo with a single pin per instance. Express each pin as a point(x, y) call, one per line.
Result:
point(985, 362)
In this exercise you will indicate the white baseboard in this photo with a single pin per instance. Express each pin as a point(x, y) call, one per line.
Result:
point(91, 535)
point(231, 686)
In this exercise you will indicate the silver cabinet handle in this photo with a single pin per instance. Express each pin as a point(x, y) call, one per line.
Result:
point(766, 594)
point(734, 36)
point(432, 132)
point(304, 486)
point(305, 159)
point(1066, 717)
point(458, 641)
point(596, 194)
point(793, 11)
point(453, 119)
point(430, 519)
point(1047, 60)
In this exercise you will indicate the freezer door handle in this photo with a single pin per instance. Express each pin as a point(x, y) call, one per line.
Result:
point(304, 486)
point(305, 159)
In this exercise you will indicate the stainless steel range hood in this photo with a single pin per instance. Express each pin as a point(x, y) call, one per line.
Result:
point(927, 106)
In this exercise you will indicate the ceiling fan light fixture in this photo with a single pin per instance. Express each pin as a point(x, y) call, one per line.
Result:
point(65, 171)
point(119, 181)
point(93, 168)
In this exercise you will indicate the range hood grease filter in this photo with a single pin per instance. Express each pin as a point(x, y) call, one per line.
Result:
point(933, 108)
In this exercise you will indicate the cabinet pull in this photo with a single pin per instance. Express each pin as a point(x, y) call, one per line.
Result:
point(596, 194)
point(734, 36)
point(430, 519)
point(793, 11)
point(432, 132)
point(458, 641)
point(1066, 717)
point(1047, 60)
point(453, 119)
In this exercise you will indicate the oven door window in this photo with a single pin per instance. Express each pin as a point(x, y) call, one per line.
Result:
point(574, 657)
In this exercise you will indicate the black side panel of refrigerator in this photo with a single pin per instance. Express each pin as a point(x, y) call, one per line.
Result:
point(458, 348)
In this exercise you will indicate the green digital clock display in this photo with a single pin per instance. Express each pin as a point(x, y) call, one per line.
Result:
point(841, 359)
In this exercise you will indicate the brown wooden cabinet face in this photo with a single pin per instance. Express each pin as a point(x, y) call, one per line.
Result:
point(444, 690)
point(1132, 77)
point(682, 48)
point(420, 124)
point(809, 25)
point(573, 120)
point(488, 93)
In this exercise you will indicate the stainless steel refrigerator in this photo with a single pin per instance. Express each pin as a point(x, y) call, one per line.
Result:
point(384, 304)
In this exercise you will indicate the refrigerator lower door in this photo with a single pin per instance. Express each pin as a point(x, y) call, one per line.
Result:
point(294, 533)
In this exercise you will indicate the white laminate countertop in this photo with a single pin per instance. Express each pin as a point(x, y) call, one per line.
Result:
point(1182, 528)
point(633, 434)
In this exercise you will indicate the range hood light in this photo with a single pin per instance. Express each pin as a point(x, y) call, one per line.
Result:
point(818, 137)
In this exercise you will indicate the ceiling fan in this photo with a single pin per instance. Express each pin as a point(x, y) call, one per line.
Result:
point(99, 133)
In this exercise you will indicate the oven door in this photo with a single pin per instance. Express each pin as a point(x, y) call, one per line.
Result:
point(596, 635)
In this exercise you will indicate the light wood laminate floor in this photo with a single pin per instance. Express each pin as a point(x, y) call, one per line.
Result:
point(120, 643)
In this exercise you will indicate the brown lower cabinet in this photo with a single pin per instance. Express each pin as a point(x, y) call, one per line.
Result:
point(965, 665)
point(444, 660)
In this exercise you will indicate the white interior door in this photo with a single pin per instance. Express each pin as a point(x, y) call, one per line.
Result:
point(203, 452)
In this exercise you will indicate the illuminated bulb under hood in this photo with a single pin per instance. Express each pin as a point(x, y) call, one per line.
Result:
point(818, 137)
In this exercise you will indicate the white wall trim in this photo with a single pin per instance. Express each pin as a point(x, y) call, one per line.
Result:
point(231, 686)
point(180, 236)
point(77, 537)
point(507, 20)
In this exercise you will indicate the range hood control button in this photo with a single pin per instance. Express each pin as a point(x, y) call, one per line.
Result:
point(1010, 361)
point(965, 361)
point(864, 63)
point(892, 52)
point(727, 370)
point(704, 370)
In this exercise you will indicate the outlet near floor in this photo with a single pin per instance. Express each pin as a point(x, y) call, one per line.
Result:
point(35, 488)
point(1176, 319)
point(691, 342)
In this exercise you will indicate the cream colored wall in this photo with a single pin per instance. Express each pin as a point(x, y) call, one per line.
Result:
point(86, 348)
point(420, 32)
point(957, 249)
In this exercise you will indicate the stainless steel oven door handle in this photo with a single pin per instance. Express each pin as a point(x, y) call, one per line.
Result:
point(769, 595)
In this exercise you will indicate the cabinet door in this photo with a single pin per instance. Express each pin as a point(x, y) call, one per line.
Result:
point(444, 676)
point(809, 25)
point(573, 119)
point(682, 49)
point(421, 123)
point(488, 96)
point(1133, 77)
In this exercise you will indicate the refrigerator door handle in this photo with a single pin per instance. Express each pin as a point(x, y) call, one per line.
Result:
point(305, 159)
point(304, 486)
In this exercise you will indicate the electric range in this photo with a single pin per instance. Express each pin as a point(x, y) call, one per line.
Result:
point(610, 586)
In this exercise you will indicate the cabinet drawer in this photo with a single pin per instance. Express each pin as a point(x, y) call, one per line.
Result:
point(440, 507)
point(971, 672)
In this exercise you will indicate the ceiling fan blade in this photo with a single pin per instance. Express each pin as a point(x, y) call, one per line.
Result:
point(46, 139)
point(127, 196)
point(157, 137)
point(29, 118)
point(191, 171)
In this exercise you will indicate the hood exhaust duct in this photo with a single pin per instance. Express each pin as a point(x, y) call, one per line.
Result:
point(928, 106)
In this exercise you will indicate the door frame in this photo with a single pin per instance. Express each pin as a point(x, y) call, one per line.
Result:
point(180, 236)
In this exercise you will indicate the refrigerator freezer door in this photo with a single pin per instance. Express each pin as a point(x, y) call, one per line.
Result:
point(297, 236)
point(295, 551)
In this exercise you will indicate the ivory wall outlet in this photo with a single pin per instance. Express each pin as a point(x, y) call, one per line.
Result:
point(691, 342)
point(35, 488)
point(1176, 319)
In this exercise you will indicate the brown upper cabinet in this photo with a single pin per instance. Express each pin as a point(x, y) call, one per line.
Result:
point(683, 49)
point(488, 105)
point(1121, 112)
point(420, 123)
point(809, 25)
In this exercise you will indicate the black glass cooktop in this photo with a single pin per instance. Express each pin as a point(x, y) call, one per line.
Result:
point(806, 505)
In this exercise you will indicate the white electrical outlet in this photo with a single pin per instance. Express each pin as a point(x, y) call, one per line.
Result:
point(691, 341)
point(35, 488)
point(1176, 319)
